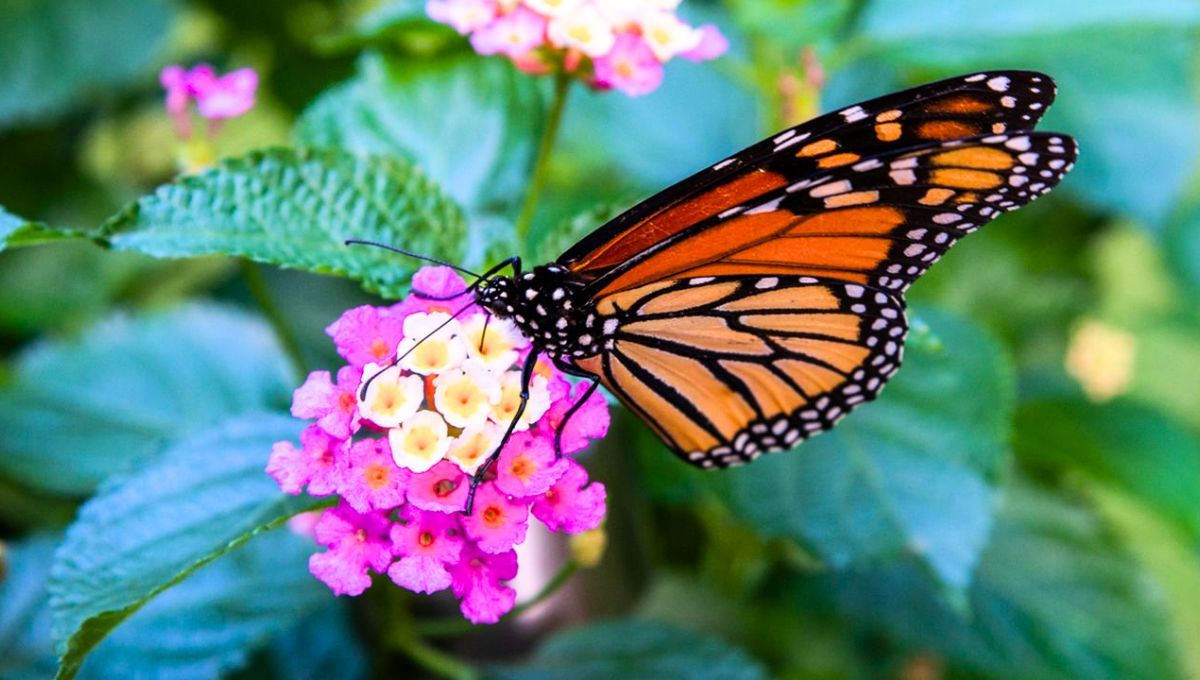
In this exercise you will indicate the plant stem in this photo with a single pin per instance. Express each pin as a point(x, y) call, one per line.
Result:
point(562, 87)
point(452, 627)
point(432, 659)
point(262, 295)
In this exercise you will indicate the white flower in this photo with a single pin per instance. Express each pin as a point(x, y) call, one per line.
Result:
point(420, 442)
point(471, 448)
point(510, 399)
point(667, 35)
point(440, 352)
point(497, 349)
point(584, 29)
point(464, 396)
point(553, 8)
point(391, 397)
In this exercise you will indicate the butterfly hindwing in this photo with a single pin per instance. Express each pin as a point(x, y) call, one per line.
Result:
point(1001, 102)
point(728, 368)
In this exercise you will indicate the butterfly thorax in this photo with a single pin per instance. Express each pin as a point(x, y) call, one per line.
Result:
point(544, 304)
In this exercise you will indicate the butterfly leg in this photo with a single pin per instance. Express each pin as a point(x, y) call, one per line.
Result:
point(562, 426)
point(526, 379)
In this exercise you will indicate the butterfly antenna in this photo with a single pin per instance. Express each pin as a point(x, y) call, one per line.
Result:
point(362, 392)
point(426, 258)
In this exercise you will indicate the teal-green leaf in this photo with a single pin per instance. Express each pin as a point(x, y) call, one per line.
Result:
point(470, 123)
point(296, 209)
point(58, 52)
point(145, 532)
point(1131, 447)
point(209, 624)
point(16, 231)
point(1054, 597)
point(198, 629)
point(1123, 70)
point(26, 650)
point(78, 411)
point(909, 473)
point(634, 649)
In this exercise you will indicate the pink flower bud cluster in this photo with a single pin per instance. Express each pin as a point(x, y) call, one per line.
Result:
point(216, 97)
point(611, 44)
point(399, 442)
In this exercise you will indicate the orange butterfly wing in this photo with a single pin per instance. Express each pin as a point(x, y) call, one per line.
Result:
point(728, 368)
point(759, 301)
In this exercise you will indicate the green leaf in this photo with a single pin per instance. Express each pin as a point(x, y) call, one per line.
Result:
point(26, 649)
point(1054, 597)
point(78, 411)
point(296, 209)
point(909, 473)
point(14, 229)
point(557, 241)
point(634, 649)
point(1182, 244)
point(51, 47)
point(396, 25)
point(1123, 71)
point(145, 532)
point(324, 645)
point(1129, 447)
point(1170, 559)
point(411, 109)
point(209, 624)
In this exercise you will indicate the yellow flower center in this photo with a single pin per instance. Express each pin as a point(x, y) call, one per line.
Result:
point(493, 516)
point(376, 476)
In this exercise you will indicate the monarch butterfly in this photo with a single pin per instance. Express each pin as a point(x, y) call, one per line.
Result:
point(758, 302)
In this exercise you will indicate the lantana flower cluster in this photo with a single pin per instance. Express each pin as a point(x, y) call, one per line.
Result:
point(611, 44)
point(399, 442)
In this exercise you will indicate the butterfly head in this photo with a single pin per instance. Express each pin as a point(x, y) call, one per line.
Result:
point(541, 303)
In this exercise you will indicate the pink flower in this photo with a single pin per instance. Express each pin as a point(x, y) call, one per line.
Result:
point(591, 421)
point(496, 523)
point(476, 579)
point(442, 488)
point(312, 465)
point(426, 542)
point(174, 81)
point(514, 35)
point(464, 15)
point(713, 44)
point(368, 479)
point(528, 466)
point(356, 542)
point(221, 97)
point(630, 67)
point(366, 335)
point(572, 505)
point(435, 289)
point(334, 406)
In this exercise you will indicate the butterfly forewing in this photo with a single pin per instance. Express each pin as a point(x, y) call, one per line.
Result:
point(1002, 102)
point(882, 221)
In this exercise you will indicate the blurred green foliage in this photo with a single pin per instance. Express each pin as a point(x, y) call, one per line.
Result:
point(1023, 501)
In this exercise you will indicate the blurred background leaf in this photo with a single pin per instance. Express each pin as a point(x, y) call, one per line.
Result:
point(145, 532)
point(49, 62)
point(95, 406)
point(911, 473)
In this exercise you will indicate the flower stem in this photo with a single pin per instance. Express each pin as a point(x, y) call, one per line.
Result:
point(562, 87)
point(452, 627)
point(287, 339)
